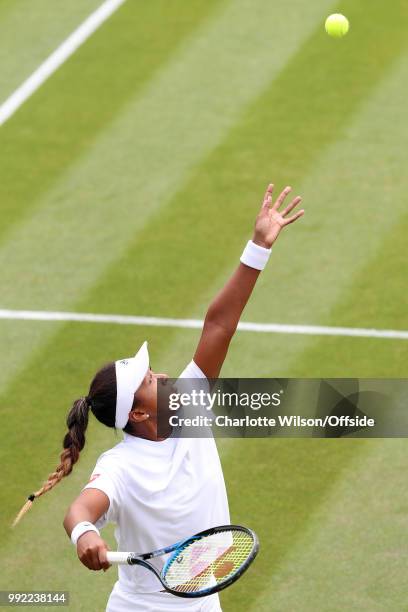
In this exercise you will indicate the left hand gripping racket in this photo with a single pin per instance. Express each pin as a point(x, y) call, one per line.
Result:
point(202, 564)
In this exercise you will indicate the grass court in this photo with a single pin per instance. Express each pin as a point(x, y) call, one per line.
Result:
point(129, 184)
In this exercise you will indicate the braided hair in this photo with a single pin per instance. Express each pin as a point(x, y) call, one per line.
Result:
point(101, 400)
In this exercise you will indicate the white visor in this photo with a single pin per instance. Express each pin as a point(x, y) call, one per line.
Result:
point(130, 373)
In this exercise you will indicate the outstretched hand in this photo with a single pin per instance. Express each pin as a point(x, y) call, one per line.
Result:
point(270, 221)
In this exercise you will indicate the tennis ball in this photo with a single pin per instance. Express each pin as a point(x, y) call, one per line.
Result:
point(337, 25)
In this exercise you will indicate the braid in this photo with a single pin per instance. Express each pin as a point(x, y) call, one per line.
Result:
point(73, 443)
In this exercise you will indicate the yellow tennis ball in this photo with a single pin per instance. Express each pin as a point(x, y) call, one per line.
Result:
point(337, 25)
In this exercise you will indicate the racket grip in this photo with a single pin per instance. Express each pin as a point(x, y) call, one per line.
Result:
point(117, 557)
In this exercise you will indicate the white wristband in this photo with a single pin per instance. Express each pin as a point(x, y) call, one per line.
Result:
point(255, 256)
point(80, 529)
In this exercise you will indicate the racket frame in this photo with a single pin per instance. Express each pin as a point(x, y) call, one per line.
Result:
point(141, 559)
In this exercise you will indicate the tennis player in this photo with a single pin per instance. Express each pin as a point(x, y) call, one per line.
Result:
point(156, 490)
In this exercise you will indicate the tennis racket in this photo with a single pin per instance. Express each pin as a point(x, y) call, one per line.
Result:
point(202, 564)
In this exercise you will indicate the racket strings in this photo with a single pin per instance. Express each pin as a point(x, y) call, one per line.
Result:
point(209, 561)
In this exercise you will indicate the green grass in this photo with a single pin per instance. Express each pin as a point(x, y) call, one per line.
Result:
point(87, 94)
point(130, 182)
point(30, 31)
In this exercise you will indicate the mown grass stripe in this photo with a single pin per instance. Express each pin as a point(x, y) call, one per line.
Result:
point(134, 169)
point(26, 42)
point(350, 554)
point(380, 302)
point(276, 487)
point(57, 58)
point(331, 284)
point(275, 328)
point(68, 113)
point(352, 197)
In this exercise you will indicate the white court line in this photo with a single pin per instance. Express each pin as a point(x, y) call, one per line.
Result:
point(58, 57)
point(275, 328)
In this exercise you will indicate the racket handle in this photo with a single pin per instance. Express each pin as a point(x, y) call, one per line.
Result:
point(117, 557)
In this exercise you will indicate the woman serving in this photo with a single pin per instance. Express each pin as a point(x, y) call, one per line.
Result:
point(158, 490)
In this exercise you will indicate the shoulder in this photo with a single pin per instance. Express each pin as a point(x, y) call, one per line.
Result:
point(109, 473)
point(112, 459)
point(192, 371)
point(192, 378)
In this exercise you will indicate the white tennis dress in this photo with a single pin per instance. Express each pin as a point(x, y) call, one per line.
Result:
point(159, 493)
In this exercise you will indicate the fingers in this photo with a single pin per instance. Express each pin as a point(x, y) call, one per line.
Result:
point(282, 196)
point(104, 563)
point(294, 217)
point(269, 190)
point(266, 205)
point(267, 197)
point(291, 206)
point(94, 556)
point(90, 559)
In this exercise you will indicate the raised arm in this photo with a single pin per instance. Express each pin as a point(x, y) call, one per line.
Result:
point(225, 310)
